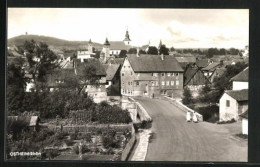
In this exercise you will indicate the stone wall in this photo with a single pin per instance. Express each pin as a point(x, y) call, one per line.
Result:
point(128, 148)
point(184, 108)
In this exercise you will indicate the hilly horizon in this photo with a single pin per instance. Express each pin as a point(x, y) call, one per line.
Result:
point(52, 42)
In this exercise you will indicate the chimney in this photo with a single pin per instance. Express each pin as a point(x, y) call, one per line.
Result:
point(137, 52)
point(162, 57)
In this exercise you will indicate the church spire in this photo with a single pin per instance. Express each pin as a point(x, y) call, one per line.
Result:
point(127, 38)
point(106, 42)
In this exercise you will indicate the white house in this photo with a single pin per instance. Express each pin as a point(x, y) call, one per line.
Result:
point(240, 81)
point(232, 103)
point(86, 54)
point(244, 117)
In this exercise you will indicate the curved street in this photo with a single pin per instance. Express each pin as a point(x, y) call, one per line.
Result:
point(174, 139)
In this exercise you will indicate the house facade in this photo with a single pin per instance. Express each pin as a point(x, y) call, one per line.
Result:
point(240, 81)
point(232, 104)
point(150, 75)
point(86, 54)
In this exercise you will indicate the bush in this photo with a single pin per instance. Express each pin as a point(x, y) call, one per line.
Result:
point(109, 140)
point(69, 142)
point(16, 127)
point(187, 96)
point(51, 154)
point(227, 122)
point(209, 113)
point(43, 135)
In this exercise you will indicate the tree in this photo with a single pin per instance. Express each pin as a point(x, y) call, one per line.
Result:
point(132, 51)
point(122, 54)
point(41, 60)
point(15, 86)
point(152, 50)
point(172, 49)
point(142, 52)
point(164, 50)
point(187, 96)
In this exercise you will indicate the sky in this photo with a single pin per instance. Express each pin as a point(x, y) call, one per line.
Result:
point(180, 28)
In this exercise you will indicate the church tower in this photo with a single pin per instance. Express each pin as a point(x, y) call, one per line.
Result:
point(127, 38)
point(90, 46)
point(105, 51)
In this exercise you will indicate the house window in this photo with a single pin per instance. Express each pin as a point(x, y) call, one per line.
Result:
point(167, 83)
point(137, 83)
point(152, 83)
point(131, 83)
point(163, 74)
point(228, 103)
point(177, 74)
point(138, 74)
point(172, 83)
point(172, 74)
point(128, 83)
point(168, 74)
point(177, 83)
point(156, 83)
point(123, 74)
point(163, 83)
point(131, 73)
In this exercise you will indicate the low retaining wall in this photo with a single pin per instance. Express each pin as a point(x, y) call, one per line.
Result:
point(92, 128)
point(144, 116)
point(128, 148)
point(185, 108)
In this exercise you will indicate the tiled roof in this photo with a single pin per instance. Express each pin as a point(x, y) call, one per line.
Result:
point(111, 70)
point(211, 66)
point(244, 114)
point(113, 60)
point(144, 47)
point(202, 63)
point(242, 76)
point(154, 63)
point(118, 45)
point(186, 59)
point(239, 95)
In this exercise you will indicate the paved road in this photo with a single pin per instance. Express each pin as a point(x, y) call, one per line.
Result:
point(174, 139)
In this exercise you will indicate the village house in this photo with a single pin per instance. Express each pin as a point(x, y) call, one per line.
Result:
point(150, 75)
point(194, 78)
point(86, 54)
point(112, 79)
point(240, 81)
point(232, 103)
point(235, 102)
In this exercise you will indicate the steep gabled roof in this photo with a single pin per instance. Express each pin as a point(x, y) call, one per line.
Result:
point(119, 45)
point(202, 63)
point(211, 66)
point(239, 95)
point(111, 70)
point(242, 76)
point(154, 63)
point(189, 74)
